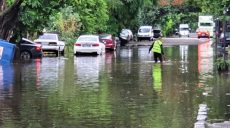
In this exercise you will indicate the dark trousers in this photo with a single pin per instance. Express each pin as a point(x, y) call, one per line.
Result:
point(156, 56)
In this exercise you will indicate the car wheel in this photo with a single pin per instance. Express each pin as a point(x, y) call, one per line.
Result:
point(115, 48)
point(57, 53)
point(25, 55)
point(63, 52)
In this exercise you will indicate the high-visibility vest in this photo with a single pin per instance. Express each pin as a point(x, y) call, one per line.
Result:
point(157, 46)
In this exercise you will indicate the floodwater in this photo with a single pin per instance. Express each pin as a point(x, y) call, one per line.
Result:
point(122, 89)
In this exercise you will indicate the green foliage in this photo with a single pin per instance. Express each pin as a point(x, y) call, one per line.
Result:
point(222, 65)
point(111, 16)
point(66, 22)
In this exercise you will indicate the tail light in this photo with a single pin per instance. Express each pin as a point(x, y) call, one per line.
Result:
point(77, 44)
point(95, 45)
point(38, 48)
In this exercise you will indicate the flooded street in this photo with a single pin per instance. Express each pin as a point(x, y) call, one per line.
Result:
point(122, 89)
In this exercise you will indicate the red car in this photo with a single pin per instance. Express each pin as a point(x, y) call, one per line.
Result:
point(110, 42)
point(202, 33)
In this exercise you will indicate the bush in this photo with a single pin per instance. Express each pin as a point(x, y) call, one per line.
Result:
point(222, 65)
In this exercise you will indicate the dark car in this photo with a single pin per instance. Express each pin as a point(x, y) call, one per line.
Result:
point(157, 33)
point(227, 39)
point(110, 42)
point(29, 49)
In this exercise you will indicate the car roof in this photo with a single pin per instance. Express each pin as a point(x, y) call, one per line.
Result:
point(105, 34)
point(146, 26)
point(88, 35)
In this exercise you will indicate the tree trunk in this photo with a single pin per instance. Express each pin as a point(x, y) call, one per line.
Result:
point(8, 18)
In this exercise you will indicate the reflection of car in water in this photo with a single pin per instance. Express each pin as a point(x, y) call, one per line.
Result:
point(205, 57)
point(87, 69)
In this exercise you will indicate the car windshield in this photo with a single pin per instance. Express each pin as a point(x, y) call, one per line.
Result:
point(202, 30)
point(125, 32)
point(144, 29)
point(184, 29)
point(156, 31)
point(48, 36)
point(87, 38)
point(205, 24)
point(106, 36)
point(227, 34)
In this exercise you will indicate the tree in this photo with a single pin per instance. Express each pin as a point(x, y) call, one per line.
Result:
point(8, 18)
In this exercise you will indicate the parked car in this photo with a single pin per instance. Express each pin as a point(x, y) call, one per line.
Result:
point(145, 32)
point(89, 44)
point(202, 33)
point(157, 33)
point(110, 42)
point(126, 34)
point(227, 39)
point(51, 43)
point(29, 49)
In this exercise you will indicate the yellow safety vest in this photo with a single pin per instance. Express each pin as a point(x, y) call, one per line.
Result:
point(157, 46)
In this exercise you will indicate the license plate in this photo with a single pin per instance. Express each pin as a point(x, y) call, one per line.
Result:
point(86, 45)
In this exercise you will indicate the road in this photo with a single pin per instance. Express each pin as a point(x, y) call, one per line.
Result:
point(192, 40)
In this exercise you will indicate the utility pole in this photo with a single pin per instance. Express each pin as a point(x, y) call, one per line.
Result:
point(226, 10)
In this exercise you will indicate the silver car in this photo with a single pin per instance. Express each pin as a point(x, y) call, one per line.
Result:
point(126, 34)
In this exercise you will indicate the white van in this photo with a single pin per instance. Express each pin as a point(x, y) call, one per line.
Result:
point(184, 30)
point(145, 32)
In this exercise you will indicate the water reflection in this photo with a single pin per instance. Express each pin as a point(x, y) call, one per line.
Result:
point(205, 57)
point(157, 77)
point(119, 89)
point(184, 58)
point(6, 77)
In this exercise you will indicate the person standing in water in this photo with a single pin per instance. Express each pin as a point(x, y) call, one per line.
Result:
point(157, 49)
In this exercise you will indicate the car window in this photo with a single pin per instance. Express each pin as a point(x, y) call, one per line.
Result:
point(205, 24)
point(144, 30)
point(87, 38)
point(48, 36)
point(105, 36)
point(156, 31)
point(184, 29)
point(227, 34)
point(125, 32)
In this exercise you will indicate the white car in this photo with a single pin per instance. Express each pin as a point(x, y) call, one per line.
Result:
point(51, 43)
point(145, 32)
point(89, 44)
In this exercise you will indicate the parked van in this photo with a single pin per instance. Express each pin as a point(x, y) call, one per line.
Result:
point(184, 30)
point(145, 32)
